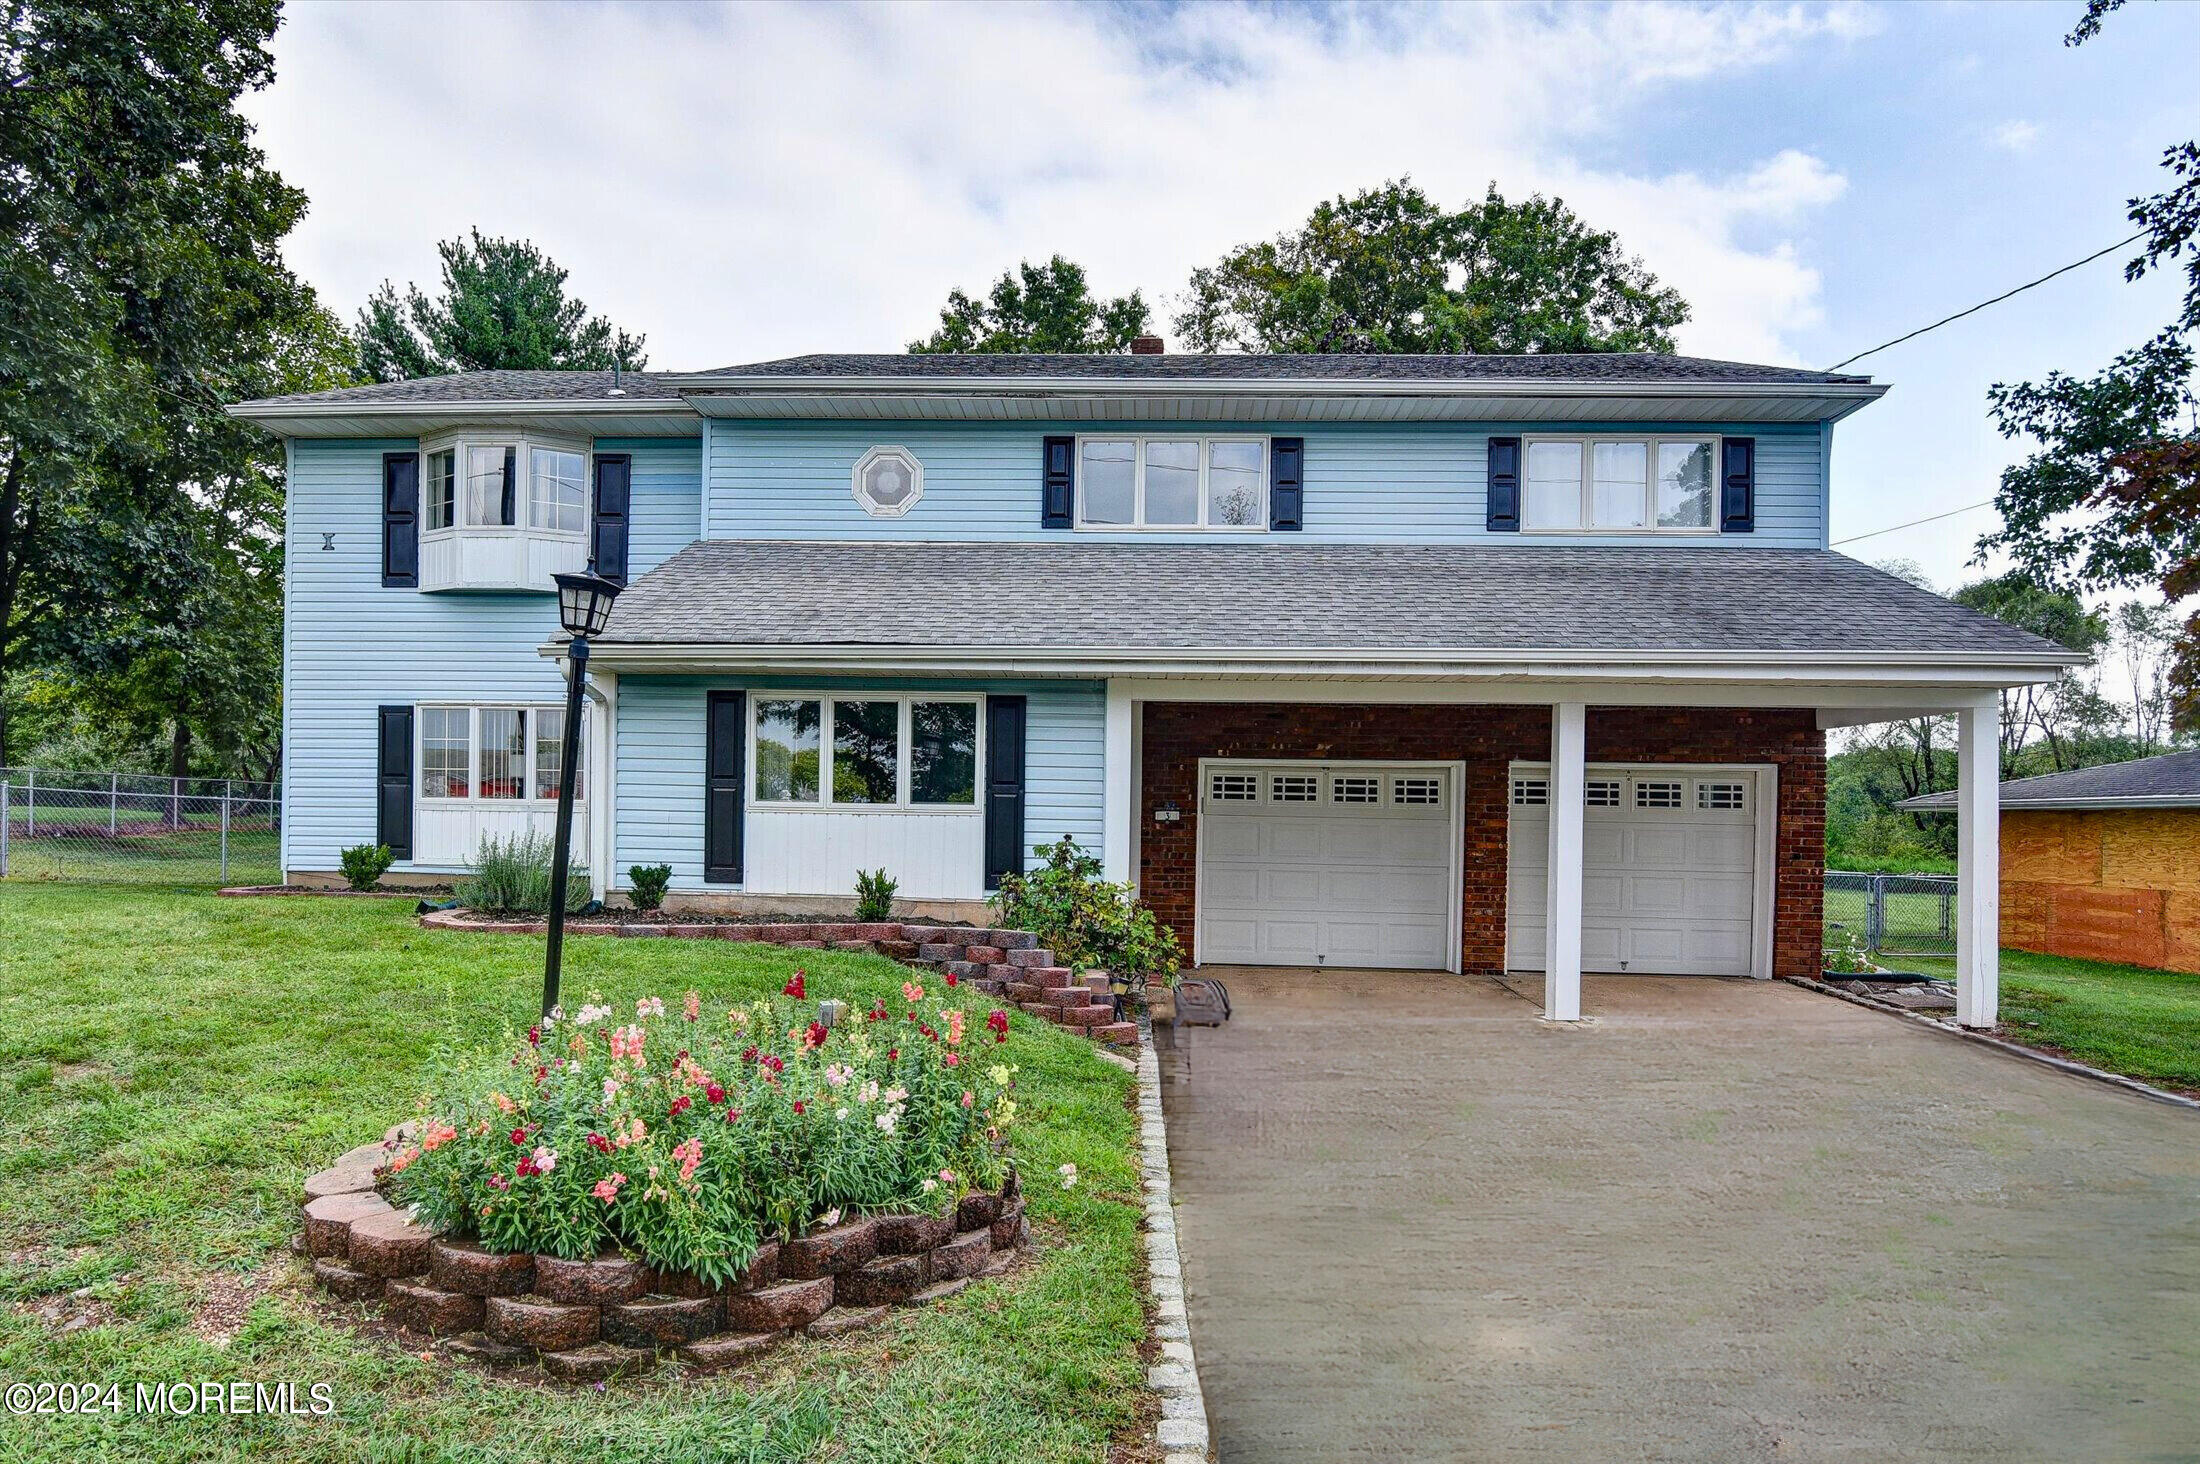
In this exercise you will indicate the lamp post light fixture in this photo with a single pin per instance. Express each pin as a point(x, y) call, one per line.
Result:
point(584, 607)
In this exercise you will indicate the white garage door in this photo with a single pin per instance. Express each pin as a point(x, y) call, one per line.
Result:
point(1328, 864)
point(1669, 870)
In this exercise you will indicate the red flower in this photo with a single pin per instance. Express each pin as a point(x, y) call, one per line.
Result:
point(748, 1054)
point(715, 1093)
point(877, 1013)
point(732, 1114)
point(775, 1064)
point(953, 979)
point(927, 1031)
point(534, 1036)
point(996, 1022)
point(798, 1105)
point(499, 1182)
point(519, 1136)
point(599, 1143)
point(541, 1073)
point(525, 1167)
point(681, 1105)
point(794, 988)
point(816, 1034)
point(893, 1054)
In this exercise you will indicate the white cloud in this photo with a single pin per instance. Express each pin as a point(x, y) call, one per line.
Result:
point(742, 183)
point(2016, 135)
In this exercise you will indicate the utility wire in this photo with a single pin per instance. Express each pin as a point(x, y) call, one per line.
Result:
point(1913, 523)
point(1981, 305)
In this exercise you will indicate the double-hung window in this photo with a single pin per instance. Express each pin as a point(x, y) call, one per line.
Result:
point(1194, 483)
point(508, 754)
point(864, 751)
point(1640, 484)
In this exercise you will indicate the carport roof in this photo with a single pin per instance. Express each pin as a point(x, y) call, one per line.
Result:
point(1191, 601)
point(2170, 780)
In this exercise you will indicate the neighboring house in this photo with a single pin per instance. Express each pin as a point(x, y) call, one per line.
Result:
point(1455, 662)
point(2102, 863)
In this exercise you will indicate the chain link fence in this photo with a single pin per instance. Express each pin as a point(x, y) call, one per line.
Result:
point(138, 828)
point(1894, 914)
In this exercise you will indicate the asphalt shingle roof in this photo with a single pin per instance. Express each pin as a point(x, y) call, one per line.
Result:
point(1269, 597)
point(1611, 367)
point(496, 386)
point(2144, 781)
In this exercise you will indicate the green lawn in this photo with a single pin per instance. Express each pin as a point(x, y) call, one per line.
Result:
point(173, 1064)
point(2144, 1024)
point(191, 855)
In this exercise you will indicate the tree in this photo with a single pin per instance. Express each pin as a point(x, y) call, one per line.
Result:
point(2069, 712)
point(503, 307)
point(1388, 270)
point(2143, 635)
point(2111, 497)
point(1038, 308)
point(141, 286)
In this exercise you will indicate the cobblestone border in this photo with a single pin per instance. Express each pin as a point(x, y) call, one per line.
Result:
point(2003, 1044)
point(1182, 1432)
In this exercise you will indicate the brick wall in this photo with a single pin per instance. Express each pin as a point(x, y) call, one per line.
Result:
point(1486, 739)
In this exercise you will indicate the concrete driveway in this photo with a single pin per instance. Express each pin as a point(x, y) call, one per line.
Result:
point(1726, 1220)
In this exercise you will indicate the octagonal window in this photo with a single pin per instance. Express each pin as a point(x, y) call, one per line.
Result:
point(888, 481)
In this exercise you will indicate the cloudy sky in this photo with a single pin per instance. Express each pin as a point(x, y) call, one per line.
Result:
point(741, 183)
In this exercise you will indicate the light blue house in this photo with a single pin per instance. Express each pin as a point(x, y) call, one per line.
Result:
point(1455, 662)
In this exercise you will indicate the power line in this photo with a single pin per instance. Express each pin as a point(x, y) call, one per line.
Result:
point(1981, 305)
point(1913, 523)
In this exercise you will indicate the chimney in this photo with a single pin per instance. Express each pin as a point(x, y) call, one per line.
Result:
point(1148, 346)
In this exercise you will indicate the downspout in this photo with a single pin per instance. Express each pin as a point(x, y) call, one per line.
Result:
point(602, 688)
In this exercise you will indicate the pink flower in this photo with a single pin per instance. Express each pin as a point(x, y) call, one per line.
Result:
point(546, 1159)
point(437, 1136)
point(499, 1182)
point(912, 992)
point(650, 1006)
point(689, 1154)
point(692, 1008)
point(607, 1190)
point(967, 1097)
point(953, 1060)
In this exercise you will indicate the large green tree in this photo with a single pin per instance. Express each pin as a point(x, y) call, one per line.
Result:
point(1039, 308)
point(1390, 270)
point(2110, 497)
point(502, 306)
point(141, 288)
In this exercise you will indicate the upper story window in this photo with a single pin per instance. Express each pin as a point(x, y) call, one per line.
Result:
point(1661, 483)
point(888, 481)
point(1194, 483)
point(505, 483)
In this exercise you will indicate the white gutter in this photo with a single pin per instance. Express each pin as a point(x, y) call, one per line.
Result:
point(2027, 805)
point(1262, 386)
point(471, 407)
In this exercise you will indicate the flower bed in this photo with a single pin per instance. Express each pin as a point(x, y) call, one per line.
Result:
point(613, 1187)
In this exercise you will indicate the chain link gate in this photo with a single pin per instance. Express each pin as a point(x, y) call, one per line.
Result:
point(1894, 914)
point(58, 824)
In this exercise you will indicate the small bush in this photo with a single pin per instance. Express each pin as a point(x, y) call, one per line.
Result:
point(589, 1132)
point(1845, 954)
point(365, 864)
point(1085, 920)
point(648, 883)
point(512, 877)
point(875, 895)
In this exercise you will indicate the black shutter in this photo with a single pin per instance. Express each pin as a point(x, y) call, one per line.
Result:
point(1504, 486)
point(1286, 482)
point(401, 520)
point(511, 487)
point(1738, 485)
point(614, 492)
point(1004, 788)
point(393, 780)
point(1058, 483)
point(725, 751)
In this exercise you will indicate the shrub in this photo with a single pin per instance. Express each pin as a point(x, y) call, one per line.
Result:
point(1845, 954)
point(365, 864)
point(875, 895)
point(1085, 920)
point(649, 881)
point(589, 1131)
point(512, 877)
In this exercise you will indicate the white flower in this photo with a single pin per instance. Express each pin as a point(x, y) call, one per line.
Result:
point(840, 1113)
point(610, 1089)
point(895, 1095)
point(931, 1185)
point(1069, 1175)
point(885, 1121)
point(649, 1006)
point(838, 1073)
point(870, 1092)
point(830, 1218)
point(590, 1015)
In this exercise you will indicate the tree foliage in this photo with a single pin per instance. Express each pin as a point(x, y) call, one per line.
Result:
point(1389, 270)
point(141, 287)
point(2110, 498)
point(1038, 308)
point(502, 306)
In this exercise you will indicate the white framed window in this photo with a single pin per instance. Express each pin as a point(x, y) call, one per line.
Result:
point(1657, 793)
point(1531, 793)
point(1722, 797)
point(1217, 484)
point(1600, 793)
point(1295, 788)
point(494, 754)
point(1353, 788)
point(1636, 484)
point(1233, 788)
point(887, 481)
point(917, 751)
point(1413, 789)
point(496, 482)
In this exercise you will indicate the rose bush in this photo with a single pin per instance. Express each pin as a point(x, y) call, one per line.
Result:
point(691, 1138)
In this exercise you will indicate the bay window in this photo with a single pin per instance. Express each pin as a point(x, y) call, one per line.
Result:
point(1193, 483)
point(1648, 483)
point(502, 510)
point(509, 754)
point(864, 751)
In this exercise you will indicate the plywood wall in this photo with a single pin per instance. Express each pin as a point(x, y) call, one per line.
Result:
point(2105, 885)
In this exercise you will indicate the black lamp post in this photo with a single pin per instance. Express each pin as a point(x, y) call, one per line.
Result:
point(584, 605)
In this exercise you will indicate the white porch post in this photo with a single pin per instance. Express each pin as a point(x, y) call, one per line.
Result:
point(1978, 863)
point(1117, 815)
point(1562, 915)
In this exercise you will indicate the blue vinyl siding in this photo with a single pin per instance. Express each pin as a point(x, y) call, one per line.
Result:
point(350, 645)
point(1405, 483)
point(659, 799)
